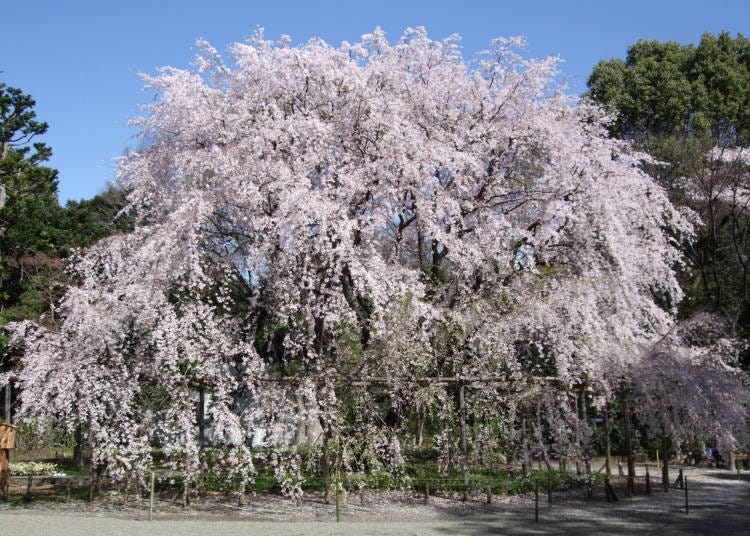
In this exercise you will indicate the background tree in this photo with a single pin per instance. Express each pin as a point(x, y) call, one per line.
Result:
point(688, 107)
point(36, 234)
point(29, 217)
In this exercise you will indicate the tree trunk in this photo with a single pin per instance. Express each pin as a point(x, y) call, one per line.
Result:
point(420, 426)
point(79, 450)
point(201, 417)
point(300, 434)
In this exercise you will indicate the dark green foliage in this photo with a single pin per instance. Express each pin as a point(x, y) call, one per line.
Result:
point(89, 220)
point(36, 234)
point(30, 216)
point(665, 90)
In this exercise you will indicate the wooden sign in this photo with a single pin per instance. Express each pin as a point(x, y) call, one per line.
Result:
point(7, 436)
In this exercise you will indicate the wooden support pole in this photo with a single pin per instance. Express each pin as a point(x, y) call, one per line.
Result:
point(629, 446)
point(687, 504)
point(464, 452)
point(549, 488)
point(326, 470)
point(665, 463)
point(151, 496)
point(536, 500)
point(609, 441)
point(91, 483)
point(579, 468)
point(4, 472)
point(338, 507)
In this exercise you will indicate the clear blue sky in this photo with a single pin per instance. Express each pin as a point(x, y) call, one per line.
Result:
point(80, 59)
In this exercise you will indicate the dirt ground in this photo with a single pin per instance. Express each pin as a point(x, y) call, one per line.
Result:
point(719, 503)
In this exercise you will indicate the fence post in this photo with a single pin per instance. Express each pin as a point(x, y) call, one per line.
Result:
point(536, 500)
point(464, 451)
point(28, 488)
point(338, 512)
point(549, 488)
point(687, 506)
point(151, 498)
point(648, 481)
point(489, 493)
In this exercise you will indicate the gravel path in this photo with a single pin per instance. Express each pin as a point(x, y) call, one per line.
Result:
point(719, 504)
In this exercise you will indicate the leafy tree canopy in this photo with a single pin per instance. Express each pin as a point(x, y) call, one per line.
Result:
point(665, 89)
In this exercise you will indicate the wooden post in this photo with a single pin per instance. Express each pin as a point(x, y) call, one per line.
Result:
point(665, 463)
point(579, 469)
point(201, 417)
point(549, 488)
point(629, 445)
point(427, 492)
point(67, 491)
point(465, 455)
point(525, 462)
point(338, 508)
point(536, 500)
point(28, 488)
point(91, 482)
point(151, 497)
point(489, 493)
point(326, 470)
point(609, 442)
point(4, 472)
point(687, 505)
point(648, 481)
point(609, 491)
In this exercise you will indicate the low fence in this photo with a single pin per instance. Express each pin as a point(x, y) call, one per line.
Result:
point(165, 488)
